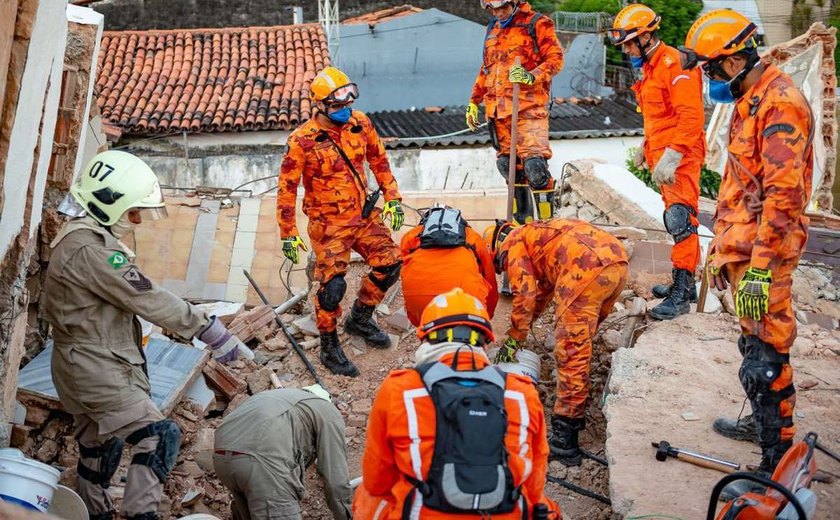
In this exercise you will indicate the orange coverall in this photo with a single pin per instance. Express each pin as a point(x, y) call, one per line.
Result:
point(543, 59)
point(333, 201)
point(671, 101)
point(427, 273)
point(401, 441)
point(584, 269)
point(769, 138)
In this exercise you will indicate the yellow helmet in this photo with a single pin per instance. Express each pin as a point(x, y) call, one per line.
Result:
point(631, 22)
point(717, 34)
point(332, 86)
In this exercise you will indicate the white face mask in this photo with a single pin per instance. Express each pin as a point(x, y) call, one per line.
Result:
point(122, 227)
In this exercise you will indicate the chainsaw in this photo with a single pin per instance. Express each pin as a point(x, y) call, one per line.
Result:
point(788, 495)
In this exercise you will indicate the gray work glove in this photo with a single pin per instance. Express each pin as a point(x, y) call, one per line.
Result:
point(639, 160)
point(225, 346)
point(666, 168)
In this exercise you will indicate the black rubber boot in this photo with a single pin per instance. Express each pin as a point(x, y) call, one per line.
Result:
point(769, 460)
point(332, 356)
point(563, 443)
point(676, 303)
point(523, 211)
point(360, 323)
point(743, 429)
point(663, 290)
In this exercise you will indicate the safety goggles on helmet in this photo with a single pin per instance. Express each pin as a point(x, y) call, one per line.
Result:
point(153, 213)
point(495, 4)
point(343, 95)
point(744, 40)
point(619, 36)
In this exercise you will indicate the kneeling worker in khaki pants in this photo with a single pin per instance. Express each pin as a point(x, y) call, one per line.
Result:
point(263, 448)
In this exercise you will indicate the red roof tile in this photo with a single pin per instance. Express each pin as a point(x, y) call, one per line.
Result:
point(383, 15)
point(209, 80)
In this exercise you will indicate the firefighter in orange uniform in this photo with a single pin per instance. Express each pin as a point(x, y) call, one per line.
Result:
point(428, 456)
point(583, 269)
point(517, 31)
point(328, 152)
point(671, 101)
point(761, 228)
point(442, 253)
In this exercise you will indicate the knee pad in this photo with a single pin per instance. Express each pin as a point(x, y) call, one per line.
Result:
point(536, 170)
point(385, 276)
point(162, 460)
point(331, 293)
point(677, 219)
point(109, 454)
point(503, 164)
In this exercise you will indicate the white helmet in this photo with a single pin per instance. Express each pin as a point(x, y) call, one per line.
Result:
point(114, 182)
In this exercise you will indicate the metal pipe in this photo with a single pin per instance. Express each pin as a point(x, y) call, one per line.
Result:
point(291, 302)
point(288, 334)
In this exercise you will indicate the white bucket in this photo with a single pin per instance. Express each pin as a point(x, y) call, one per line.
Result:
point(26, 482)
point(528, 363)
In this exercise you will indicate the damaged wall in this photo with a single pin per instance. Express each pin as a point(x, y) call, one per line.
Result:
point(809, 59)
point(209, 163)
point(32, 56)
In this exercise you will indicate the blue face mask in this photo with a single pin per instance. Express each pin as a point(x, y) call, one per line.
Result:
point(507, 21)
point(340, 116)
point(719, 91)
point(637, 62)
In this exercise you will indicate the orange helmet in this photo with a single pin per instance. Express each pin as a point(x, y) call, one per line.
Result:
point(333, 87)
point(717, 34)
point(455, 316)
point(631, 22)
point(493, 236)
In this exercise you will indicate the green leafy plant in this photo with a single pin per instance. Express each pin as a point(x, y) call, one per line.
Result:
point(709, 179)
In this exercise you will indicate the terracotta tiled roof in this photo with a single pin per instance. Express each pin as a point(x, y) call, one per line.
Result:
point(209, 80)
point(383, 15)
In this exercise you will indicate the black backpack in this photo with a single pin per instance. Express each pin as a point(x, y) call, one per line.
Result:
point(469, 473)
point(443, 227)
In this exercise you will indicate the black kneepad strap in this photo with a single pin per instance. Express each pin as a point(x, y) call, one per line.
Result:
point(162, 460)
point(109, 454)
point(677, 219)
point(331, 293)
point(389, 274)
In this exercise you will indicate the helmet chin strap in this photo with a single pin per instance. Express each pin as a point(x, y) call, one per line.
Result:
point(646, 49)
point(736, 82)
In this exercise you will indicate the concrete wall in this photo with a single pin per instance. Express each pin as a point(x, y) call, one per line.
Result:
point(415, 169)
point(34, 61)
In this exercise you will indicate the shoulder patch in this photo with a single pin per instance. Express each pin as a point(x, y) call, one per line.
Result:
point(137, 279)
point(777, 128)
point(668, 60)
point(117, 260)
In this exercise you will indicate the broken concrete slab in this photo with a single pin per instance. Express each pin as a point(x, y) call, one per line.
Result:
point(247, 325)
point(223, 380)
point(651, 386)
point(399, 321)
point(224, 311)
point(307, 325)
point(172, 367)
point(200, 394)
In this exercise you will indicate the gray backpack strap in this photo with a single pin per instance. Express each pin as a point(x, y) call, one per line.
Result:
point(440, 371)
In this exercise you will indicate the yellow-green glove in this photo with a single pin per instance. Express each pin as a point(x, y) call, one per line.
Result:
point(518, 74)
point(472, 116)
point(393, 209)
point(290, 248)
point(752, 300)
point(507, 352)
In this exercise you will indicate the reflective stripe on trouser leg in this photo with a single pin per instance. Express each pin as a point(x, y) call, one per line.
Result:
point(545, 202)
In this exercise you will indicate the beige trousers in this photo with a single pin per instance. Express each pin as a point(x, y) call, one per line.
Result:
point(258, 493)
point(143, 490)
